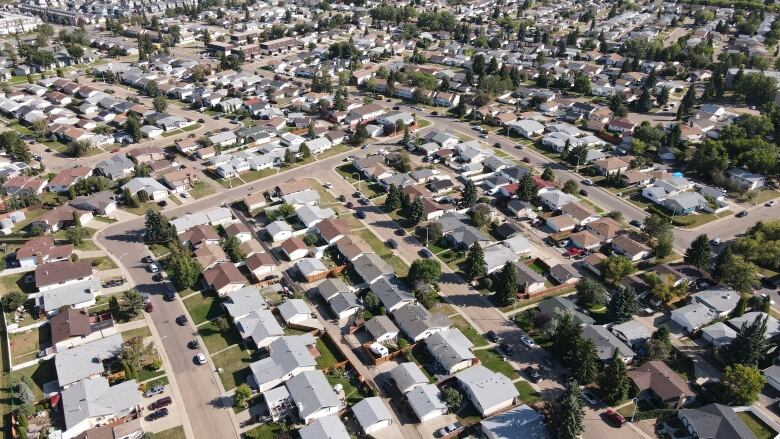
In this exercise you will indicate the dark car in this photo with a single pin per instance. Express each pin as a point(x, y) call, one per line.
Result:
point(391, 243)
point(532, 374)
point(182, 320)
point(497, 144)
point(163, 412)
point(396, 108)
point(342, 198)
point(147, 260)
point(363, 201)
point(193, 344)
point(507, 348)
point(742, 214)
point(149, 307)
point(169, 297)
point(162, 203)
point(356, 194)
point(635, 223)
point(583, 192)
point(400, 232)
point(360, 214)
point(426, 253)
point(434, 113)
point(157, 277)
point(526, 160)
point(350, 205)
point(492, 336)
point(160, 403)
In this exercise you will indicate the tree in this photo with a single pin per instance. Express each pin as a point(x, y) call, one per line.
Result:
point(183, 270)
point(614, 381)
point(582, 84)
point(749, 345)
point(304, 151)
point(425, 270)
point(393, 199)
point(570, 187)
point(360, 135)
point(663, 246)
point(289, 157)
point(416, 211)
point(132, 303)
point(13, 300)
point(663, 98)
point(370, 300)
point(403, 163)
point(547, 174)
point(656, 226)
point(566, 413)
point(617, 267)
point(79, 148)
point(663, 287)
point(133, 128)
point(25, 393)
point(475, 262)
point(114, 307)
point(232, 247)
point(160, 103)
point(623, 305)
point(526, 188)
point(468, 195)
point(157, 227)
point(738, 273)
point(241, 395)
point(506, 284)
point(590, 292)
point(453, 398)
point(129, 199)
point(756, 88)
point(699, 252)
point(659, 346)
point(585, 366)
point(480, 214)
point(567, 337)
point(742, 384)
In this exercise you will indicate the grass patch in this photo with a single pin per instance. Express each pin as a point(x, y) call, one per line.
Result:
point(25, 345)
point(756, 425)
point(200, 190)
point(159, 250)
point(328, 355)
point(147, 374)
point(527, 393)
point(15, 282)
point(265, 431)
point(41, 374)
point(491, 359)
point(234, 366)
point(203, 308)
point(171, 433)
point(399, 266)
point(468, 330)
point(335, 150)
point(142, 208)
point(256, 175)
point(102, 263)
point(142, 332)
point(216, 341)
point(351, 392)
point(347, 172)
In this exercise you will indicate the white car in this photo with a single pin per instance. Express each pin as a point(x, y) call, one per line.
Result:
point(528, 341)
point(329, 185)
point(378, 349)
point(587, 182)
point(153, 268)
point(184, 195)
point(200, 358)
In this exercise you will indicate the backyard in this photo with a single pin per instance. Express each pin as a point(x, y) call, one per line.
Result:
point(329, 354)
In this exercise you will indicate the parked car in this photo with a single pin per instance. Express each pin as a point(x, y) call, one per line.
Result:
point(329, 185)
point(519, 146)
point(492, 336)
point(715, 241)
point(363, 201)
point(742, 214)
point(162, 203)
point(154, 390)
point(526, 160)
point(589, 397)
point(350, 205)
point(770, 203)
point(157, 277)
point(497, 144)
point(160, 403)
point(149, 307)
point(532, 374)
point(528, 341)
point(200, 359)
point(193, 344)
point(158, 414)
point(342, 198)
point(147, 259)
point(426, 253)
point(360, 214)
point(400, 232)
point(169, 297)
point(392, 244)
point(583, 192)
point(615, 417)
point(587, 182)
point(507, 348)
point(635, 223)
point(182, 320)
point(153, 268)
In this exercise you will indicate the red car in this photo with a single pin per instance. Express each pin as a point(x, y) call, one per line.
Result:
point(115, 150)
point(149, 307)
point(160, 403)
point(615, 417)
point(526, 160)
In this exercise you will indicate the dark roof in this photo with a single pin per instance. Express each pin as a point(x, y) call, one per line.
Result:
point(70, 323)
point(716, 421)
point(56, 272)
point(661, 379)
point(507, 230)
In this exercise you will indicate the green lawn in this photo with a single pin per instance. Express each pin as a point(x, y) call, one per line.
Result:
point(468, 330)
point(265, 431)
point(200, 190)
point(350, 391)
point(495, 362)
point(756, 425)
point(234, 363)
point(102, 263)
point(254, 175)
point(86, 243)
point(159, 250)
point(203, 308)
point(15, 282)
point(214, 340)
point(527, 393)
point(41, 374)
point(171, 433)
point(328, 355)
point(336, 150)
point(142, 208)
point(347, 172)
point(142, 332)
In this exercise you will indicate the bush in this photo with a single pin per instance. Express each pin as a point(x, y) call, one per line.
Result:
point(156, 364)
point(94, 262)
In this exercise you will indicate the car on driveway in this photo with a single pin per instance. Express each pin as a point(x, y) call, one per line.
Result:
point(153, 267)
point(350, 205)
point(363, 200)
point(770, 203)
point(158, 414)
point(528, 341)
point(182, 320)
point(635, 223)
point(149, 307)
point(532, 374)
point(392, 244)
point(492, 336)
point(589, 397)
point(157, 277)
point(154, 390)
point(200, 359)
point(342, 198)
point(583, 192)
point(742, 214)
point(169, 297)
point(614, 417)
point(426, 253)
point(160, 403)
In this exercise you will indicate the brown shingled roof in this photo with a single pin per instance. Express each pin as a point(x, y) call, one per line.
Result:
point(56, 272)
point(70, 323)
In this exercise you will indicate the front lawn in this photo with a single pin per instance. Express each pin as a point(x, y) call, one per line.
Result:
point(756, 425)
point(142, 332)
point(171, 433)
point(399, 266)
point(214, 340)
point(200, 190)
point(234, 365)
point(102, 263)
point(203, 308)
point(494, 361)
point(475, 337)
point(266, 431)
point(527, 393)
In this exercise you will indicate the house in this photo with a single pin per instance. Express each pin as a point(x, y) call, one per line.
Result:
point(294, 311)
point(312, 269)
point(332, 229)
point(199, 236)
point(605, 229)
point(313, 396)
point(417, 323)
point(372, 415)
point(521, 209)
point(560, 223)
point(260, 327)
point(329, 427)
point(294, 248)
point(100, 203)
point(116, 167)
point(611, 165)
point(146, 154)
point(451, 350)
point(74, 327)
point(496, 256)
point(528, 280)
point(684, 203)
point(607, 343)
point(527, 128)
point(21, 184)
point(633, 250)
point(242, 302)
point(489, 392)
point(693, 316)
point(564, 274)
point(57, 274)
point(518, 422)
point(747, 319)
point(426, 401)
point(224, 278)
point(279, 230)
point(585, 240)
point(658, 379)
point(41, 250)
point(554, 200)
point(772, 376)
point(555, 305)
point(61, 217)
point(714, 421)
point(288, 356)
point(87, 360)
point(381, 329)
point(393, 294)
point(154, 190)
point(407, 376)
point(79, 294)
point(260, 264)
point(352, 247)
point(67, 178)
point(370, 267)
point(210, 255)
point(718, 334)
point(722, 301)
point(581, 213)
point(90, 402)
point(179, 180)
point(239, 231)
point(746, 180)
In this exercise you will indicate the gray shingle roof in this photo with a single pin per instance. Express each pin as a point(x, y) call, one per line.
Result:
point(311, 392)
point(487, 387)
point(85, 360)
point(326, 427)
point(449, 348)
point(95, 398)
point(408, 376)
point(425, 399)
point(716, 421)
point(370, 411)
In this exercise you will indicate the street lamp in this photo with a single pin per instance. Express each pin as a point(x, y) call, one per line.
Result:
point(633, 413)
point(358, 179)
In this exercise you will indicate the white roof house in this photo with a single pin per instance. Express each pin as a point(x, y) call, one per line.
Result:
point(260, 326)
point(519, 422)
point(747, 319)
point(426, 402)
point(693, 316)
point(294, 310)
point(451, 349)
point(372, 414)
point(85, 361)
point(496, 256)
point(312, 395)
point(489, 391)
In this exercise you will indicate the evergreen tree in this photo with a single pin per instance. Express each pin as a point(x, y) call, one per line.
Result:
point(289, 158)
point(644, 104)
point(547, 174)
point(526, 189)
point(623, 305)
point(468, 195)
point(232, 247)
point(475, 262)
point(614, 381)
point(304, 151)
point(585, 364)
point(749, 345)
point(393, 200)
point(158, 228)
point(699, 252)
point(506, 284)
point(416, 211)
point(566, 414)
point(663, 98)
point(659, 346)
point(590, 292)
point(567, 336)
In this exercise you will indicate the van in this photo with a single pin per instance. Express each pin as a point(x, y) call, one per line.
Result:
point(378, 349)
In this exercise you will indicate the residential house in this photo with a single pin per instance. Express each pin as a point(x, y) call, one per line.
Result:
point(490, 392)
point(279, 230)
point(714, 421)
point(224, 278)
point(663, 383)
point(556, 305)
point(199, 236)
point(633, 250)
point(260, 264)
point(61, 217)
point(41, 250)
point(372, 415)
point(527, 128)
point(528, 280)
point(294, 311)
point(288, 356)
point(393, 294)
point(67, 178)
point(312, 395)
point(381, 329)
point(417, 323)
point(294, 248)
point(100, 203)
point(329, 427)
point(518, 422)
point(564, 274)
point(154, 190)
point(260, 327)
point(607, 343)
point(451, 350)
point(746, 180)
point(407, 376)
point(57, 274)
